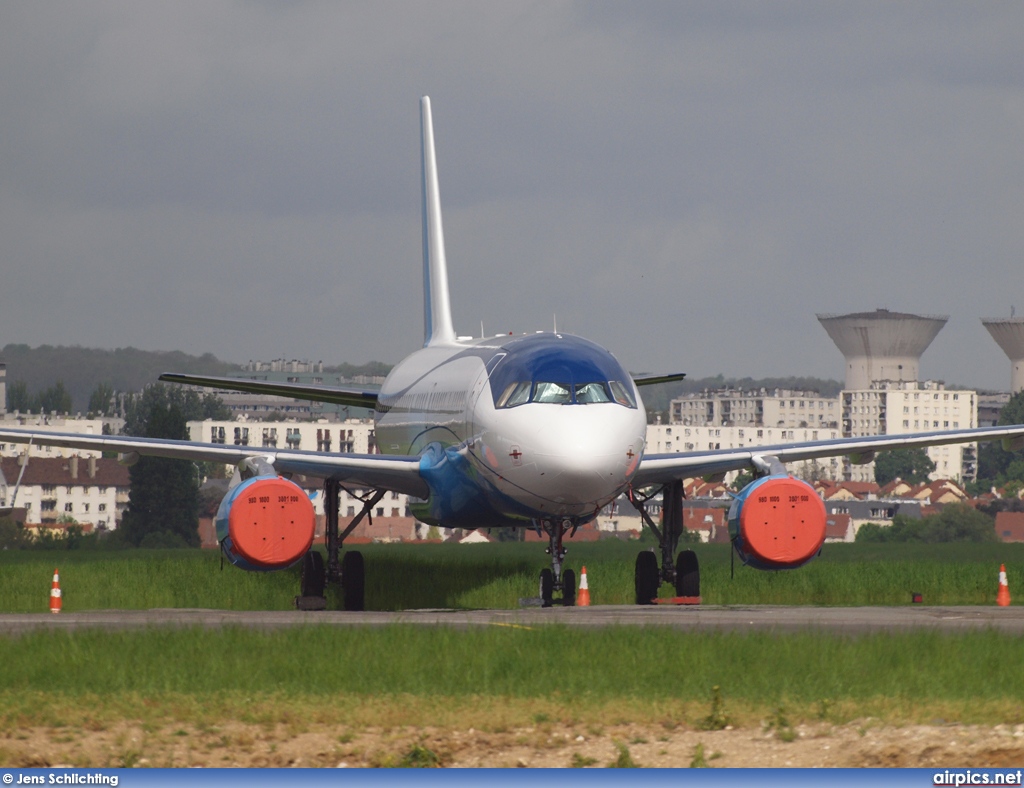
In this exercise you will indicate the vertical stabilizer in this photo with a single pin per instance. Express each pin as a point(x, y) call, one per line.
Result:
point(437, 312)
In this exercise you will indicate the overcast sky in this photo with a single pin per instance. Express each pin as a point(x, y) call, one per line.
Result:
point(684, 183)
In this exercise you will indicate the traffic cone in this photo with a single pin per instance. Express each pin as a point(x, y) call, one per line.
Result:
point(55, 599)
point(583, 595)
point(1003, 595)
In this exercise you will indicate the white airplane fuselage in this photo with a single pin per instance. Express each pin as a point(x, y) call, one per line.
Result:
point(514, 429)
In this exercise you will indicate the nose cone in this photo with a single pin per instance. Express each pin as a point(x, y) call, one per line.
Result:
point(578, 458)
point(583, 458)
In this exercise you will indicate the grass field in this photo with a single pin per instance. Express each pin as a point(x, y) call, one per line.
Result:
point(496, 677)
point(645, 674)
point(498, 575)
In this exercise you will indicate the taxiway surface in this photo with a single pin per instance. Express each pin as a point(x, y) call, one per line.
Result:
point(772, 618)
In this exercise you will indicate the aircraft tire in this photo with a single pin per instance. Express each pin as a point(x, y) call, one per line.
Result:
point(568, 588)
point(312, 578)
point(687, 574)
point(353, 581)
point(547, 587)
point(646, 578)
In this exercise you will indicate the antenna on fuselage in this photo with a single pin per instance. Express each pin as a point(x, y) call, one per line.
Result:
point(437, 314)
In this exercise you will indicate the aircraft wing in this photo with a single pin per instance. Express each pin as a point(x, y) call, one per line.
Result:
point(663, 468)
point(398, 473)
point(340, 395)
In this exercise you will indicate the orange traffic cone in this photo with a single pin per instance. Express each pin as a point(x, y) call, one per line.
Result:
point(1003, 595)
point(55, 600)
point(583, 595)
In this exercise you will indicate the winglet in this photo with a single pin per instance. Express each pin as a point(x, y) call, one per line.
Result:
point(437, 313)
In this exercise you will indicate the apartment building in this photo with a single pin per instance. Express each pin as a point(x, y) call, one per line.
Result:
point(762, 408)
point(44, 423)
point(899, 407)
point(677, 437)
point(92, 491)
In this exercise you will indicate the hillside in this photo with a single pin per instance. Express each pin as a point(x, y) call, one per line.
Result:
point(124, 369)
point(83, 369)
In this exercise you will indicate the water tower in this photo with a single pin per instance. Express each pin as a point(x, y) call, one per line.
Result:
point(881, 345)
point(1009, 334)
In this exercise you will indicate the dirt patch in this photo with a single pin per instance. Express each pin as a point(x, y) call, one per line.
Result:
point(860, 743)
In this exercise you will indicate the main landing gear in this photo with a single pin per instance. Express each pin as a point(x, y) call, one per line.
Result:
point(348, 572)
point(684, 573)
point(554, 580)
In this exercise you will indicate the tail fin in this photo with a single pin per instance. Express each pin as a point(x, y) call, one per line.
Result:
point(437, 312)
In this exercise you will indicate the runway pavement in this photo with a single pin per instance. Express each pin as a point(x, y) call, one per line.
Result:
point(772, 618)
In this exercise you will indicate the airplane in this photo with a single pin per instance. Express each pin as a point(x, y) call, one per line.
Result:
point(534, 431)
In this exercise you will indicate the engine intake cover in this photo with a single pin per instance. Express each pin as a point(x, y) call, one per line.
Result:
point(266, 522)
point(777, 522)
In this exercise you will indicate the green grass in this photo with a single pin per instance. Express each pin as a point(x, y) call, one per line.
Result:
point(498, 575)
point(974, 673)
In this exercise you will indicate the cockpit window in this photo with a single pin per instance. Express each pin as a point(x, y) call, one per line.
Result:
point(591, 392)
point(519, 393)
point(621, 394)
point(557, 370)
point(514, 394)
point(558, 393)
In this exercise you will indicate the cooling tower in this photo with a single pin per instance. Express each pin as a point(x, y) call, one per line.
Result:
point(1009, 334)
point(881, 345)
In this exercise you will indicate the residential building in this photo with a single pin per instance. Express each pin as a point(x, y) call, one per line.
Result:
point(89, 490)
point(1010, 526)
point(44, 423)
point(681, 437)
point(762, 408)
point(899, 407)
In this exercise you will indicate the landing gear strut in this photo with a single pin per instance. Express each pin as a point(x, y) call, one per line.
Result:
point(684, 572)
point(348, 571)
point(554, 579)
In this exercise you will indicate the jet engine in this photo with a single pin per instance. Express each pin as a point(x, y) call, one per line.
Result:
point(266, 522)
point(777, 522)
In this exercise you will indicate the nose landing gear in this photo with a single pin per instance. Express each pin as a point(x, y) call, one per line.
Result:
point(554, 579)
point(684, 572)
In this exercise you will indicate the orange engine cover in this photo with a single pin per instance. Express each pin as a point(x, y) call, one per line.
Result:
point(777, 522)
point(269, 521)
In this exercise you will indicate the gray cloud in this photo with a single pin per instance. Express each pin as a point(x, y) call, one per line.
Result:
point(685, 183)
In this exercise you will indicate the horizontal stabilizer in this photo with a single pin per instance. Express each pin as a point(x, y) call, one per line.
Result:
point(651, 380)
point(337, 395)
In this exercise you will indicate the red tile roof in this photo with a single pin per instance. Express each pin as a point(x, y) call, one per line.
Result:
point(837, 526)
